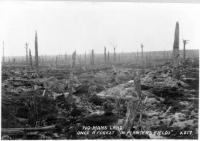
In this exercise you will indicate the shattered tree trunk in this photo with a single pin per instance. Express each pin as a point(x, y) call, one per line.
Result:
point(26, 54)
point(184, 51)
point(30, 59)
point(3, 59)
point(133, 105)
point(36, 51)
point(74, 59)
point(176, 52)
point(92, 57)
point(184, 43)
point(142, 55)
point(176, 46)
point(114, 55)
point(105, 55)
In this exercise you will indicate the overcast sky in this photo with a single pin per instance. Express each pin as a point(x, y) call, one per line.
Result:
point(67, 26)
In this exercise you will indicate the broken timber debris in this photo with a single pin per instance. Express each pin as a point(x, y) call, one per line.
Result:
point(9, 131)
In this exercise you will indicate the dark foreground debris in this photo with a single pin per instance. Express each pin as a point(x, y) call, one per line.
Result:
point(57, 104)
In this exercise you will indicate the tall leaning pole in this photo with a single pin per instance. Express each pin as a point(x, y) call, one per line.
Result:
point(36, 51)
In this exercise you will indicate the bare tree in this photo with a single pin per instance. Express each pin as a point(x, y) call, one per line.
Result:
point(184, 51)
point(142, 54)
point(30, 59)
point(176, 46)
point(114, 54)
point(36, 51)
point(92, 57)
point(134, 105)
point(3, 54)
point(176, 52)
point(104, 54)
point(74, 59)
point(26, 47)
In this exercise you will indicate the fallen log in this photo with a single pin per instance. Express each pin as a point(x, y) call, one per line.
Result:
point(9, 131)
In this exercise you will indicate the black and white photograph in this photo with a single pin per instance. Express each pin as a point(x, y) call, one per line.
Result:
point(99, 70)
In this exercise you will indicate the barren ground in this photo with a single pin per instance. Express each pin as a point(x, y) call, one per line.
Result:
point(39, 106)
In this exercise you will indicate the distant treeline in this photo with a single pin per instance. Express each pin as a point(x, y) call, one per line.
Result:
point(85, 59)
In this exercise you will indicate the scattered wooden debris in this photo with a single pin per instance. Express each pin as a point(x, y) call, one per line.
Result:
point(66, 100)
